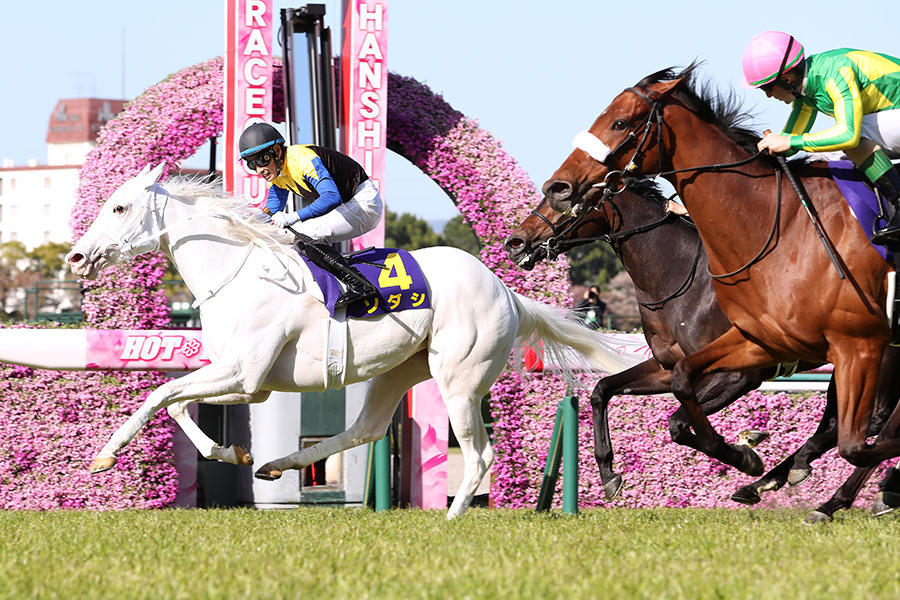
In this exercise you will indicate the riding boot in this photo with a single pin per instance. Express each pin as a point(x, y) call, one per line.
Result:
point(324, 255)
point(888, 187)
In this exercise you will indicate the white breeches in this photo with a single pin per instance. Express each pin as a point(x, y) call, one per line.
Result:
point(883, 128)
point(351, 219)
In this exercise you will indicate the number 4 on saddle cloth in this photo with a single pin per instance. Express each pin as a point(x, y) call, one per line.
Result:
point(395, 274)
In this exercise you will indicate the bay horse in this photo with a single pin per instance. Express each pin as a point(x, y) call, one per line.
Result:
point(775, 282)
point(265, 326)
point(663, 254)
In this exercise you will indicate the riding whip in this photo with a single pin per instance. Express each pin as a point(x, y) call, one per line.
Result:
point(804, 200)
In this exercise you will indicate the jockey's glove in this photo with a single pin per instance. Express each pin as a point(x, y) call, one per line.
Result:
point(281, 219)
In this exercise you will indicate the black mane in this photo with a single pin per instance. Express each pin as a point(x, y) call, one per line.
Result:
point(721, 109)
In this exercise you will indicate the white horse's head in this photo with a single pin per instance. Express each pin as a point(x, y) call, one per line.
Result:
point(128, 224)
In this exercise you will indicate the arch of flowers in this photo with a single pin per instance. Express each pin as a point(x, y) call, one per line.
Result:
point(169, 122)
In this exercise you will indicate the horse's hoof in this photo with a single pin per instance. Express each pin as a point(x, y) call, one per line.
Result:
point(612, 487)
point(244, 458)
point(816, 517)
point(751, 464)
point(268, 472)
point(798, 476)
point(746, 495)
point(102, 464)
point(885, 502)
point(752, 437)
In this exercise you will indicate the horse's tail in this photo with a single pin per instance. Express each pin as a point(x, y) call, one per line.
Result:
point(567, 344)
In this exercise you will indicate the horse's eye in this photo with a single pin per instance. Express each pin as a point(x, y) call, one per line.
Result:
point(619, 125)
point(119, 209)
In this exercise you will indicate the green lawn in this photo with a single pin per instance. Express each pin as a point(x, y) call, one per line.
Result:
point(355, 553)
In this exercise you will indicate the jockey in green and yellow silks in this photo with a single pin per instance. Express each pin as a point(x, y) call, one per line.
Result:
point(858, 88)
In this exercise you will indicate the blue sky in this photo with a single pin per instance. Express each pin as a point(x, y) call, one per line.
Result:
point(532, 73)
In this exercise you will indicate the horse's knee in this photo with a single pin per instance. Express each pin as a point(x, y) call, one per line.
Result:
point(176, 409)
point(856, 453)
point(681, 379)
point(600, 395)
point(679, 429)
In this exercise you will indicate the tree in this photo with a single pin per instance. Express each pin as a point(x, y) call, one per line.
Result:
point(50, 259)
point(459, 235)
point(14, 274)
point(408, 232)
point(593, 264)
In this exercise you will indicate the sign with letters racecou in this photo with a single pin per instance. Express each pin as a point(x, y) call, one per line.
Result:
point(248, 85)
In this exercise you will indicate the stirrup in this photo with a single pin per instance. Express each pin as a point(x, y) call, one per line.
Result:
point(352, 296)
point(889, 234)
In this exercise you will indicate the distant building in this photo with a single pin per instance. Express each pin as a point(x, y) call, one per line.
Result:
point(36, 200)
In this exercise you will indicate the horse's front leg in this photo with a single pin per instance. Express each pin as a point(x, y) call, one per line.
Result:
point(729, 352)
point(213, 380)
point(209, 449)
point(648, 377)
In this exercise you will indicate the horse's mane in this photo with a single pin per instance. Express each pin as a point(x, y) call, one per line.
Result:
point(246, 223)
point(648, 189)
point(722, 109)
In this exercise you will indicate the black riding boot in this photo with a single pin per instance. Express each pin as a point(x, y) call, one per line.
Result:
point(325, 256)
point(888, 186)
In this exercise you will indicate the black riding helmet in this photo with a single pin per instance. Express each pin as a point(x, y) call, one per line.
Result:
point(257, 138)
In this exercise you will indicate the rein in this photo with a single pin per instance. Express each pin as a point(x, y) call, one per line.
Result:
point(553, 246)
point(656, 114)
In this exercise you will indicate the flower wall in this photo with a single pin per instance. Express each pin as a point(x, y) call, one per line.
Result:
point(54, 422)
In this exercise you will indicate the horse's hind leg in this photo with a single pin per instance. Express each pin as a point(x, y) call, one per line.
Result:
point(384, 394)
point(209, 449)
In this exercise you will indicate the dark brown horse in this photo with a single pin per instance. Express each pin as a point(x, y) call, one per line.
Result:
point(663, 255)
point(772, 276)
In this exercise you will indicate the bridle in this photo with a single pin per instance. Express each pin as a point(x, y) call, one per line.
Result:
point(554, 245)
point(656, 116)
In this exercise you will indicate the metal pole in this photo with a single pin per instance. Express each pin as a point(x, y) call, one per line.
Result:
point(570, 454)
point(382, 474)
point(551, 470)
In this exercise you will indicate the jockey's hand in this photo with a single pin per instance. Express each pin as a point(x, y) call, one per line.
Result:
point(775, 143)
point(675, 207)
point(281, 219)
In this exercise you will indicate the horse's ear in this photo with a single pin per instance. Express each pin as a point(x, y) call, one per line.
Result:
point(663, 88)
point(155, 174)
point(144, 171)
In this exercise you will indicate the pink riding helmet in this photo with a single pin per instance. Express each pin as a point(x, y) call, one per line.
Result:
point(768, 55)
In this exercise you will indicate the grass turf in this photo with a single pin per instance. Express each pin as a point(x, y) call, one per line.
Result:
point(355, 553)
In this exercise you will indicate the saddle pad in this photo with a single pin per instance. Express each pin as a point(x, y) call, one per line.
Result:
point(860, 197)
point(394, 273)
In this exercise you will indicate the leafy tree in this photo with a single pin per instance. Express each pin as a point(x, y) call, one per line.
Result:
point(50, 259)
point(593, 264)
point(408, 232)
point(459, 235)
point(14, 272)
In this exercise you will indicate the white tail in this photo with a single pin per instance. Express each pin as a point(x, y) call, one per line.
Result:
point(561, 336)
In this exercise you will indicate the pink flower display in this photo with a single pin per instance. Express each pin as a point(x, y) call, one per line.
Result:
point(53, 423)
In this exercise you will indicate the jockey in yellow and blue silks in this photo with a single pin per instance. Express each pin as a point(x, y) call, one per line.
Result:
point(344, 202)
point(859, 89)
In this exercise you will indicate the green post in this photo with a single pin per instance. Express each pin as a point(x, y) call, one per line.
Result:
point(551, 470)
point(570, 454)
point(382, 474)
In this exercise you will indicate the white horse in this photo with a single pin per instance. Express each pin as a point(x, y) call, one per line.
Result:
point(265, 327)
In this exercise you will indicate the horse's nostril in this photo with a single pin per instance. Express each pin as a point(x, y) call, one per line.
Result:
point(513, 243)
point(559, 190)
point(76, 258)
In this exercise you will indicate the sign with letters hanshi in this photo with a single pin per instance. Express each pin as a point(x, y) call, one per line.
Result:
point(364, 79)
point(248, 85)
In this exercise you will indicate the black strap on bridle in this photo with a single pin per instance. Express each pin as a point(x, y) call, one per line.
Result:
point(553, 246)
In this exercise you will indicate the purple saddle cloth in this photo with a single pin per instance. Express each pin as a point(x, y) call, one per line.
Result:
point(394, 273)
point(860, 197)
